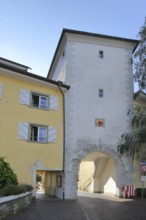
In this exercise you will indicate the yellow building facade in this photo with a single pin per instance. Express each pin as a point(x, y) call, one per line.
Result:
point(31, 125)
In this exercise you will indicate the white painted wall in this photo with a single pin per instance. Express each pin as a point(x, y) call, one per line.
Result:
point(91, 74)
point(86, 173)
point(86, 73)
point(108, 178)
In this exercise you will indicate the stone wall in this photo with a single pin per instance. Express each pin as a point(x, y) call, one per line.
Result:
point(11, 204)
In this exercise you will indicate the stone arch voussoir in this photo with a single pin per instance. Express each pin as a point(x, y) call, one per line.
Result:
point(115, 155)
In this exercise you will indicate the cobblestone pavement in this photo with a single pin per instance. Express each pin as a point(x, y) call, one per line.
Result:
point(86, 207)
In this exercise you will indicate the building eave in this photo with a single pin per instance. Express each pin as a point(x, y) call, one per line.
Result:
point(87, 34)
point(32, 75)
point(14, 63)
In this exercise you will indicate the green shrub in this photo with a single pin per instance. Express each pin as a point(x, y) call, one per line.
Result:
point(15, 189)
point(38, 178)
point(7, 176)
point(12, 190)
point(27, 187)
point(139, 192)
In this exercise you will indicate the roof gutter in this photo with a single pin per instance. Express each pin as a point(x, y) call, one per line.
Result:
point(32, 75)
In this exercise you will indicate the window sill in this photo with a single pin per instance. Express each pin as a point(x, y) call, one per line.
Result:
point(33, 107)
point(37, 142)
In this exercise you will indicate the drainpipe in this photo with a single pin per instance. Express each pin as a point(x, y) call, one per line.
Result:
point(60, 83)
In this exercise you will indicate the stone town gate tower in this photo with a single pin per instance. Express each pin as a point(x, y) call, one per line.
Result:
point(98, 69)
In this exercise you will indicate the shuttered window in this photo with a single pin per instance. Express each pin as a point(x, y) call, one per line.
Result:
point(52, 133)
point(0, 90)
point(53, 102)
point(25, 97)
point(37, 133)
point(23, 129)
point(36, 100)
point(39, 101)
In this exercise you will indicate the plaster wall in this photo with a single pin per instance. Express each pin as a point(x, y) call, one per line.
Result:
point(86, 73)
point(90, 73)
point(108, 179)
point(87, 169)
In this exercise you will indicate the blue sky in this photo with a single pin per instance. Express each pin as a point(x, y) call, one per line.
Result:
point(30, 29)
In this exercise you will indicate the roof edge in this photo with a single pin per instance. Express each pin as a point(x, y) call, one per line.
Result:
point(98, 35)
point(32, 75)
point(15, 63)
point(65, 30)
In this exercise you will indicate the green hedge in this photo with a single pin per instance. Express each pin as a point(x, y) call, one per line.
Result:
point(139, 192)
point(15, 189)
point(7, 175)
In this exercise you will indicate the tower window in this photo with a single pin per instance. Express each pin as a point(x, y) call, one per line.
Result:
point(101, 93)
point(101, 54)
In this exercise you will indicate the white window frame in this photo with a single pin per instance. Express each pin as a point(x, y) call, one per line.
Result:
point(47, 106)
point(38, 133)
point(39, 101)
point(24, 133)
point(100, 93)
point(26, 98)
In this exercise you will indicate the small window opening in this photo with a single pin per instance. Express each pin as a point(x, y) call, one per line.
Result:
point(100, 92)
point(33, 133)
point(35, 100)
point(38, 133)
point(39, 101)
point(101, 54)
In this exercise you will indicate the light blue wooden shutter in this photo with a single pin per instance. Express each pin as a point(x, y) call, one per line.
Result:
point(0, 90)
point(24, 97)
point(23, 131)
point(53, 102)
point(52, 134)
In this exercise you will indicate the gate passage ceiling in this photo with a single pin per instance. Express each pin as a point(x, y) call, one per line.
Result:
point(93, 156)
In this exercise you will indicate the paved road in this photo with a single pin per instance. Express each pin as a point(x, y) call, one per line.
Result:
point(86, 207)
point(110, 208)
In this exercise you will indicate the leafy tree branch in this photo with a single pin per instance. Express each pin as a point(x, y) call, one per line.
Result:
point(134, 143)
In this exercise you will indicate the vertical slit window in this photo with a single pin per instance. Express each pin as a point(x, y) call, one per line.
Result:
point(101, 54)
point(101, 93)
point(35, 100)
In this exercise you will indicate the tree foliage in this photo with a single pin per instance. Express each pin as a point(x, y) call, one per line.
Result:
point(133, 142)
point(140, 59)
point(7, 176)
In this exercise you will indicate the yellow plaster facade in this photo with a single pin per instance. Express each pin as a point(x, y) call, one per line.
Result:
point(27, 156)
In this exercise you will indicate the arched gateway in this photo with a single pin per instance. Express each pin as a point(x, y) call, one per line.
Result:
point(120, 169)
